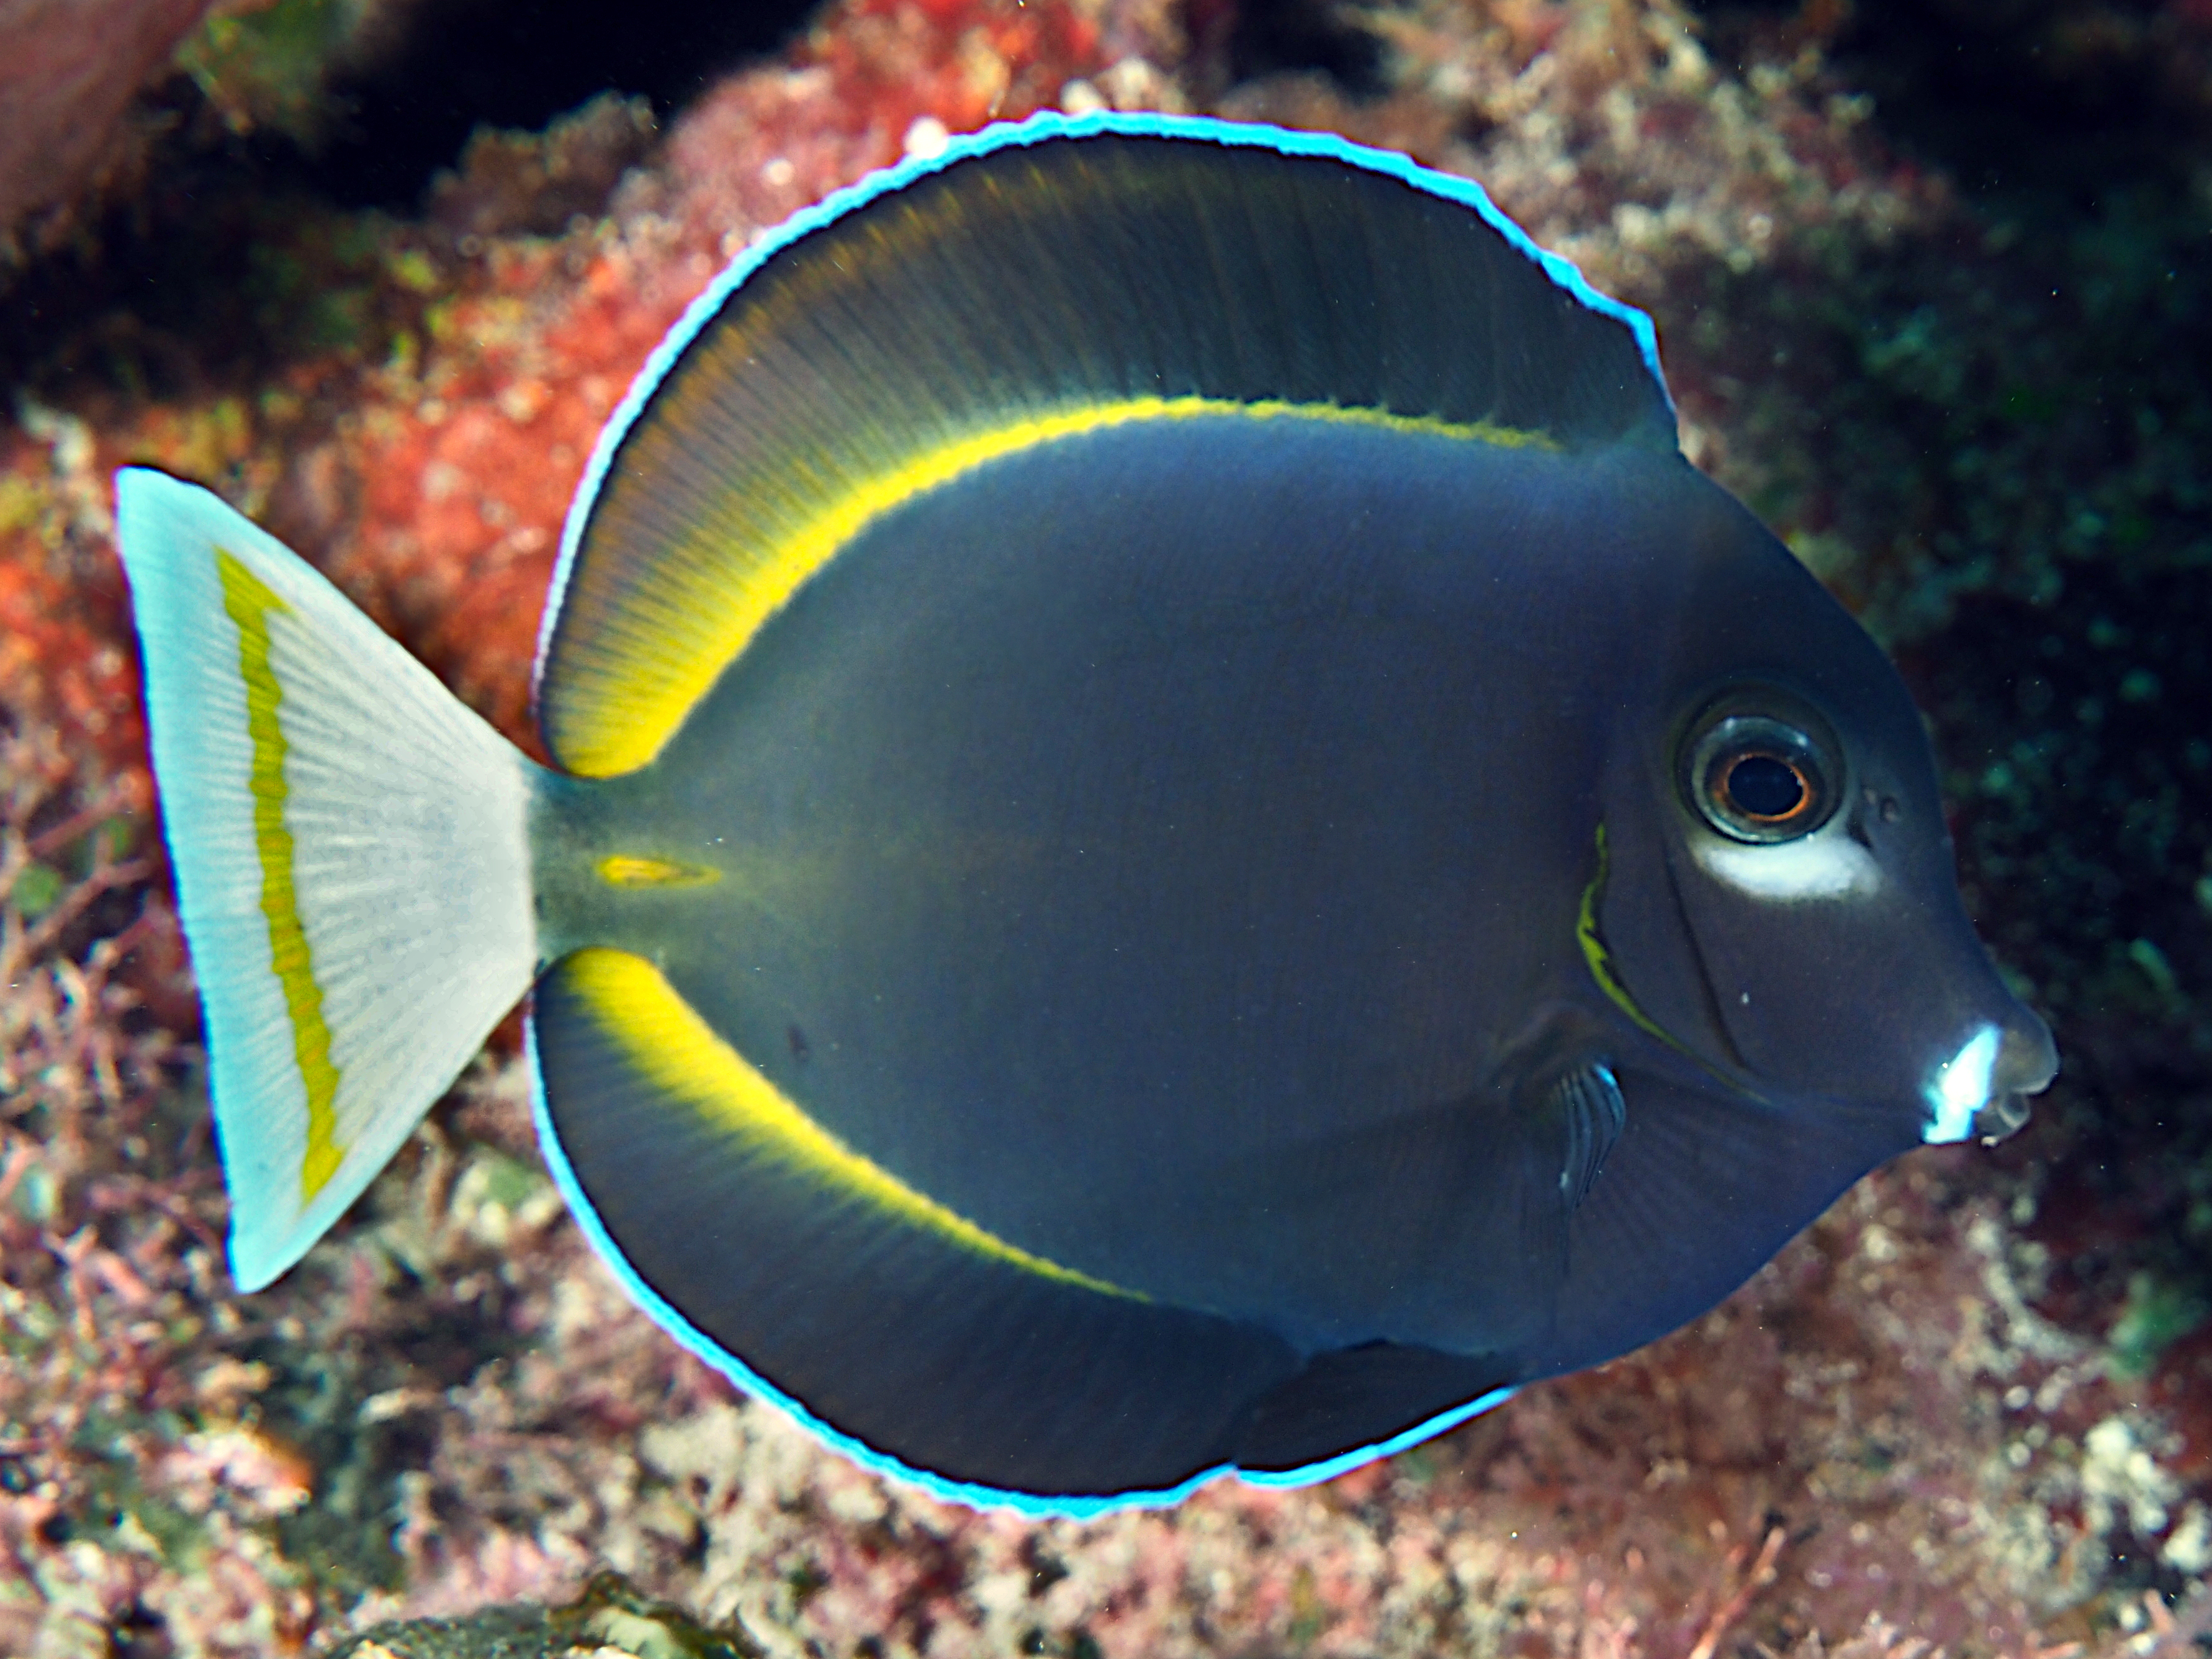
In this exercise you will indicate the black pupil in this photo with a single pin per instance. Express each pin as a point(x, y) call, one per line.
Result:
point(1762, 786)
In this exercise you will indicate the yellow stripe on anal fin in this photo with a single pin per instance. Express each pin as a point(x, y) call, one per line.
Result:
point(664, 1037)
point(249, 601)
point(629, 726)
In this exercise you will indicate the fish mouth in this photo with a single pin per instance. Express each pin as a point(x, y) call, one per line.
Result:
point(1982, 1090)
point(2000, 1117)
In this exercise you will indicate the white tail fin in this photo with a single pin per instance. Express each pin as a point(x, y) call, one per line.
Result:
point(351, 851)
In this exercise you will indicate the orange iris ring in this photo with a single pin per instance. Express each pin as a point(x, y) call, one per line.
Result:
point(1809, 794)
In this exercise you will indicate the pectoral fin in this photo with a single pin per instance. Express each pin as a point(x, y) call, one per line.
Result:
point(1590, 1112)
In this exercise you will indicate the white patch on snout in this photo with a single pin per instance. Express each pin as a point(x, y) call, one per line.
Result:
point(1960, 1088)
point(1821, 866)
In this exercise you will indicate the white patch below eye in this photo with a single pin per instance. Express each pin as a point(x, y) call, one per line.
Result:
point(1960, 1088)
point(1819, 866)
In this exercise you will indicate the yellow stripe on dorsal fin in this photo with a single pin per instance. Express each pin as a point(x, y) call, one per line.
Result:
point(724, 605)
point(1035, 284)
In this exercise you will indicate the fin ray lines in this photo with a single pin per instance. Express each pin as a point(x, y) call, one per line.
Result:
point(249, 602)
point(630, 727)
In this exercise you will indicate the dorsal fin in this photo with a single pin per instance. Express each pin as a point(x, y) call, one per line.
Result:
point(1034, 280)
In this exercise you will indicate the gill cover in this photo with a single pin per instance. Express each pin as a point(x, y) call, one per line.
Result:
point(1793, 918)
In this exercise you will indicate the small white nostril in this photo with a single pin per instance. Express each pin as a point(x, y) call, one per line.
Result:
point(2002, 1115)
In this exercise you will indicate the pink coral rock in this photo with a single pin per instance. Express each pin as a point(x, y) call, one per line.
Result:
point(69, 69)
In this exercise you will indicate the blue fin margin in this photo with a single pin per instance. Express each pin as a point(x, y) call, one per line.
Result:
point(1009, 135)
point(1030, 1504)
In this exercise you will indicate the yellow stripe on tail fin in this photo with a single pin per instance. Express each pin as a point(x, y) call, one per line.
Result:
point(247, 599)
point(350, 847)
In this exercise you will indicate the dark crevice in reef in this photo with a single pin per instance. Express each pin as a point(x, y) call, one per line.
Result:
point(2048, 103)
point(242, 250)
point(466, 63)
point(2033, 95)
point(2054, 435)
point(1279, 37)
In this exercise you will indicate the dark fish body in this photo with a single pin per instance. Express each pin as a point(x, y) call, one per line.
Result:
point(1185, 841)
point(1130, 789)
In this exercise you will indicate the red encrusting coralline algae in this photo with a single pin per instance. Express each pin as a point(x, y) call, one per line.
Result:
point(69, 69)
point(450, 488)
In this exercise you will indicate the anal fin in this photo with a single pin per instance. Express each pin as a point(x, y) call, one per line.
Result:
point(1350, 1406)
point(901, 1333)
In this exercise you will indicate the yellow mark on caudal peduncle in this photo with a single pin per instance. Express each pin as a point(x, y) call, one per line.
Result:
point(629, 870)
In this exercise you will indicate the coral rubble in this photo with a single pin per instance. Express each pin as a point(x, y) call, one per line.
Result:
point(1969, 1411)
point(608, 1618)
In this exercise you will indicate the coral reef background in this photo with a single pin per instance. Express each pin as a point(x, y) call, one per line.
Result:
point(1933, 287)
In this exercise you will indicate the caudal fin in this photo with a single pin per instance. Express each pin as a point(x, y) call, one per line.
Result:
point(351, 855)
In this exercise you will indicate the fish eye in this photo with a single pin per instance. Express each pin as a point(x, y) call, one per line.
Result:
point(1760, 777)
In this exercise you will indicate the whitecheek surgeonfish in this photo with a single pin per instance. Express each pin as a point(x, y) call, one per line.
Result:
point(1181, 839)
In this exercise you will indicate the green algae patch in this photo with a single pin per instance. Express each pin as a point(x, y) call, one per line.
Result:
point(2158, 1313)
point(37, 887)
point(266, 68)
